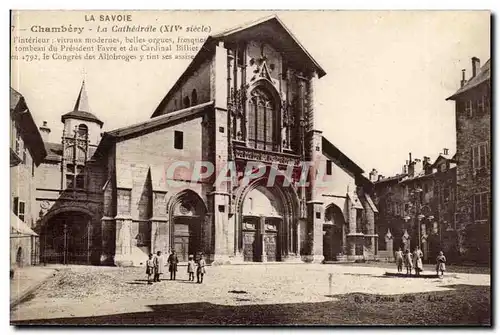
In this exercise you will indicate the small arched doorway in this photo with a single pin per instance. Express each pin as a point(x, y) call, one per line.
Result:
point(66, 238)
point(19, 257)
point(187, 216)
point(333, 233)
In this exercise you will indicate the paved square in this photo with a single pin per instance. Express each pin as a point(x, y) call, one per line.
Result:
point(258, 294)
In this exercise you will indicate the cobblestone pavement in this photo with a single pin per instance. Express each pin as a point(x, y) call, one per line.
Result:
point(85, 291)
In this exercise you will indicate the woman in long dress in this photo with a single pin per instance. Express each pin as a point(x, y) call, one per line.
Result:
point(417, 255)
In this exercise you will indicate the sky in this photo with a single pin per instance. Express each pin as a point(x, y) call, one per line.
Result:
point(388, 75)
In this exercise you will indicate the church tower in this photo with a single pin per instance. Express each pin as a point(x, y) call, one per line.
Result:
point(81, 136)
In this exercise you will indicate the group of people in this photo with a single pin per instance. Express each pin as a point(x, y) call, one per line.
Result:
point(414, 261)
point(155, 267)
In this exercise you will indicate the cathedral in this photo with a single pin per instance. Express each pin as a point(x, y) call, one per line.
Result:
point(246, 99)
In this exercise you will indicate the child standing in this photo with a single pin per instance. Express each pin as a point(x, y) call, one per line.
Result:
point(419, 266)
point(200, 271)
point(399, 260)
point(190, 268)
point(408, 262)
point(150, 268)
point(440, 263)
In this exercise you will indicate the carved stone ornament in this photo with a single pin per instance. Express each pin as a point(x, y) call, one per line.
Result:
point(406, 236)
point(268, 157)
point(388, 236)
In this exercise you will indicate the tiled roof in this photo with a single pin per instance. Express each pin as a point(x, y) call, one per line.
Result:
point(331, 150)
point(277, 23)
point(81, 110)
point(19, 111)
point(393, 178)
point(54, 151)
point(15, 96)
point(481, 77)
point(160, 121)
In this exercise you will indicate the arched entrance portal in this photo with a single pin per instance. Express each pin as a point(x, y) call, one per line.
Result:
point(333, 232)
point(268, 232)
point(66, 238)
point(188, 214)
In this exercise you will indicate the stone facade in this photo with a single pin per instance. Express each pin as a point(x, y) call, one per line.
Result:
point(417, 208)
point(245, 107)
point(473, 127)
point(26, 153)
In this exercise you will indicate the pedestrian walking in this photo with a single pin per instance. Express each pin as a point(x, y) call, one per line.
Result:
point(440, 263)
point(200, 271)
point(191, 267)
point(159, 264)
point(172, 264)
point(408, 262)
point(150, 268)
point(399, 260)
point(417, 260)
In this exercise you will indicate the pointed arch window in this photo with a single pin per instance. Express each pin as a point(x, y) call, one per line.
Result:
point(194, 98)
point(262, 120)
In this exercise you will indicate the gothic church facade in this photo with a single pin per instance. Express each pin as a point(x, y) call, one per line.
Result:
point(247, 96)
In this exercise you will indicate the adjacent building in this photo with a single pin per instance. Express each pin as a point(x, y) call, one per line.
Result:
point(26, 154)
point(473, 128)
point(417, 207)
point(181, 179)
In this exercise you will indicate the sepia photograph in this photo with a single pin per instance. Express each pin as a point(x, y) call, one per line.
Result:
point(256, 168)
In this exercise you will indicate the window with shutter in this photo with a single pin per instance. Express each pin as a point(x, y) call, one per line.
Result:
point(329, 168)
point(21, 210)
point(475, 157)
point(469, 108)
point(482, 155)
point(15, 205)
point(481, 105)
point(484, 206)
point(481, 206)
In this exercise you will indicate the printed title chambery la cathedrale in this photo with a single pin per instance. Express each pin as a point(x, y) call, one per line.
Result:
point(127, 28)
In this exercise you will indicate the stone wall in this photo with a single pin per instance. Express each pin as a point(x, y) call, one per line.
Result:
point(470, 132)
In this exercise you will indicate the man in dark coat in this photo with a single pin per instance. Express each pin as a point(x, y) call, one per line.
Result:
point(172, 264)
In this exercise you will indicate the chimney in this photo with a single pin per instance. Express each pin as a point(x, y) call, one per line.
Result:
point(410, 159)
point(373, 175)
point(405, 168)
point(427, 161)
point(445, 151)
point(418, 166)
point(476, 64)
point(44, 131)
point(463, 81)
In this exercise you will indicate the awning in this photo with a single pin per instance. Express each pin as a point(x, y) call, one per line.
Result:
point(18, 227)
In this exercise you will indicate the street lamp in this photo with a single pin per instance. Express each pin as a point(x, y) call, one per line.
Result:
point(414, 203)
